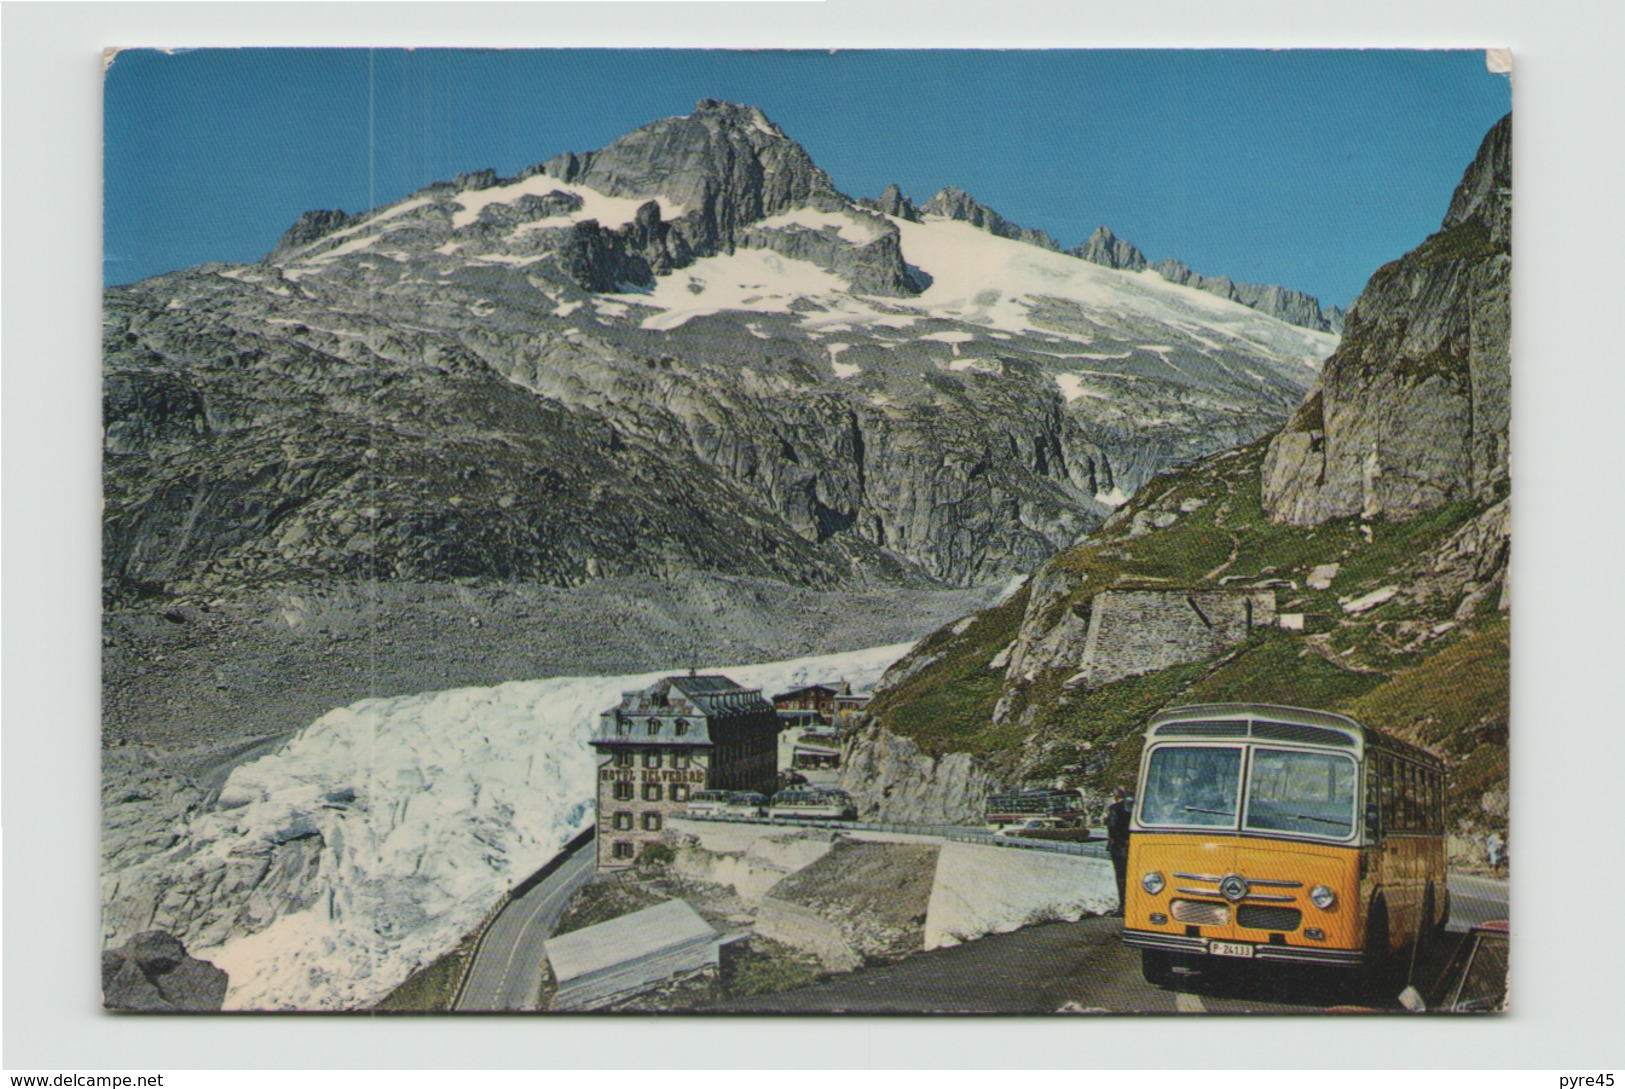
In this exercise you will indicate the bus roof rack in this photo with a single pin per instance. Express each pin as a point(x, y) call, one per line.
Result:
point(1301, 716)
point(1290, 716)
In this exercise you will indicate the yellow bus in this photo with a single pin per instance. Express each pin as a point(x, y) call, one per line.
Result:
point(1277, 834)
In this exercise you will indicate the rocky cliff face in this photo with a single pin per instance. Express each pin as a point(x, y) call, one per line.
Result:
point(1412, 410)
point(892, 780)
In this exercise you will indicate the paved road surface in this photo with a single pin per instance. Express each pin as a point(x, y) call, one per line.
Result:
point(1039, 969)
point(1474, 900)
point(507, 971)
point(1086, 966)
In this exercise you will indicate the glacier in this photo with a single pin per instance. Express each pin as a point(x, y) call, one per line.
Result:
point(374, 839)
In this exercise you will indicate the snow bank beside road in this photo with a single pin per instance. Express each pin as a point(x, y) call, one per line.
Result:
point(380, 834)
point(992, 890)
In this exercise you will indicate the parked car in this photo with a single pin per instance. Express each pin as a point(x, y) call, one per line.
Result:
point(1022, 827)
point(1475, 979)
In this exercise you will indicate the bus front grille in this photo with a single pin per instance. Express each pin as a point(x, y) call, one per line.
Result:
point(1259, 917)
point(1200, 913)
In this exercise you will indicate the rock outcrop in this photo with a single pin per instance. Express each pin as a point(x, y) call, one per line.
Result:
point(892, 780)
point(1294, 307)
point(892, 202)
point(152, 973)
point(1412, 410)
point(960, 205)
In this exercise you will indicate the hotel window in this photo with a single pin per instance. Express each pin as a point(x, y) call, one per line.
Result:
point(651, 792)
point(623, 849)
point(623, 821)
point(651, 822)
point(651, 760)
point(654, 727)
point(679, 760)
point(681, 727)
point(623, 758)
point(623, 792)
point(623, 727)
point(679, 793)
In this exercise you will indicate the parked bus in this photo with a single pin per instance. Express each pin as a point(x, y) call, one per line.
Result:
point(1058, 808)
point(726, 803)
point(1283, 835)
point(709, 803)
point(824, 804)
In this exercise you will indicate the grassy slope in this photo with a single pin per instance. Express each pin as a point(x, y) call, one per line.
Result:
point(1385, 666)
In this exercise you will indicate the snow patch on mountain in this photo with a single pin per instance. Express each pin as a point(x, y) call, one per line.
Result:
point(859, 230)
point(416, 814)
point(610, 212)
point(755, 280)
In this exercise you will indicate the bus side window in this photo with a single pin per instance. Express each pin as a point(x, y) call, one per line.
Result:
point(1390, 815)
point(1402, 794)
point(1373, 801)
point(1408, 784)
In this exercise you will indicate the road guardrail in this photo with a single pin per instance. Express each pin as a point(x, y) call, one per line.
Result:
point(935, 831)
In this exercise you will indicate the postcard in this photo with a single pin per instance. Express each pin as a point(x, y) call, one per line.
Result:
point(710, 532)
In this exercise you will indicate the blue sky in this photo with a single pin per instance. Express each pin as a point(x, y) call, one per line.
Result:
point(1304, 168)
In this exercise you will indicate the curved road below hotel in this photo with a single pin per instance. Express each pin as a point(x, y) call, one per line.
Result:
point(507, 969)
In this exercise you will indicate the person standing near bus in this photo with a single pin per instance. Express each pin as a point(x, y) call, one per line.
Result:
point(1117, 829)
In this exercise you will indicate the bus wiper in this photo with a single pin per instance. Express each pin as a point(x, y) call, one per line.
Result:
point(1319, 820)
point(1214, 812)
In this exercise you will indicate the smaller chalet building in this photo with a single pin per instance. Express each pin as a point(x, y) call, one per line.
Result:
point(816, 698)
point(662, 743)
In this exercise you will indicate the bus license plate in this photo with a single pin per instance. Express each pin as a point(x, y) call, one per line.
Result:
point(1230, 949)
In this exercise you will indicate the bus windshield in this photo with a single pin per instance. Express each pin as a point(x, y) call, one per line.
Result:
point(1192, 786)
point(1306, 793)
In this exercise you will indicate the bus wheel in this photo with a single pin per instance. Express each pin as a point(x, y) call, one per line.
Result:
point(1377, 964)
point(1157, 967)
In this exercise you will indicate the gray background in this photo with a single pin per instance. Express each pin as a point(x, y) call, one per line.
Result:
point(1568, 390)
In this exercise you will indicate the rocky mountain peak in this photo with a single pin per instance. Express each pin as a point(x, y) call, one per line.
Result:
point(1105, 248)
point(1485, 192)
point(724, 164)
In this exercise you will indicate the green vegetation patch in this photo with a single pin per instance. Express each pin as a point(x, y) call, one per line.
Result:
point(1439, 702)
point(1108, 720)
point(1279, 668)
point(600, 901)
point(764, 966)
point(947, 706)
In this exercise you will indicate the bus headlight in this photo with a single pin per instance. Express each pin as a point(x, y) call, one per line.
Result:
point(1322, 897)
point(1152, 882)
